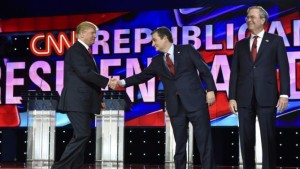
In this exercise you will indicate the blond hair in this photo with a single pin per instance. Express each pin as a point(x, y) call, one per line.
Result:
point(84, 26)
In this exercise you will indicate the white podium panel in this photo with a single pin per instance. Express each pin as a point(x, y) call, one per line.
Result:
point(41, 139)
point(170, 144)
point(110, 130)
point(110, 136)
point(41, 107)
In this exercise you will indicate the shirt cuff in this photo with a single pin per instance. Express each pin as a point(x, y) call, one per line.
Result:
point(284, 96)
point(108, 82)
point(123, 83)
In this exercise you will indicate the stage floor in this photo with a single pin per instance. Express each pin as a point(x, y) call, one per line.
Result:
point(127, 166)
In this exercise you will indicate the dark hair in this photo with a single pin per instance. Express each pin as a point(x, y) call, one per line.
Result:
point(162, 32)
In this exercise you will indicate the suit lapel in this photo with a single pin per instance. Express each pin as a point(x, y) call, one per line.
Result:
point(93, 62)
point(248, 49)
point(264, 43)
point(90, 58)
point(163, 64)
point(95, 65)
point(176, 57)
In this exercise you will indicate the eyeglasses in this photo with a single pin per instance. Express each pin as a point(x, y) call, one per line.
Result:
point(250, 17)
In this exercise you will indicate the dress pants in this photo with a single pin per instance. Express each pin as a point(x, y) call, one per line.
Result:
point(202, 132)
point(267, 122)
point(73, 156)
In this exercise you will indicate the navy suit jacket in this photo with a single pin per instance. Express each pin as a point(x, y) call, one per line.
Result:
point(82, 82)
point(248, 77)
point(186, 83)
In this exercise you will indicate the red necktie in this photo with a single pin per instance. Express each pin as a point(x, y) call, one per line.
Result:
point(170, 64)
point(90, 52)
point(254, 48)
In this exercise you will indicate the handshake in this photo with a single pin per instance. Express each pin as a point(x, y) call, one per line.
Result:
point(114, 83)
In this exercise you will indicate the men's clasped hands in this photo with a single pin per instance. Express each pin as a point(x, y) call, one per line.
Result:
point(114, 83)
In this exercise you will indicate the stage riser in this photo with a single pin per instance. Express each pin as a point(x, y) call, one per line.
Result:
point(145, 145)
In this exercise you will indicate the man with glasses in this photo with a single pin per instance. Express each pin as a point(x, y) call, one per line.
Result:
point(253, 89)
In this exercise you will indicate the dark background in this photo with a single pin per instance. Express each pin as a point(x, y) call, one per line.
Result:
point(287, 138)
point(32, 8)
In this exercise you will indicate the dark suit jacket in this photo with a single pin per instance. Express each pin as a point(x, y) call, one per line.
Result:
point(259, 76)
point(186, 83)
point(82, 82)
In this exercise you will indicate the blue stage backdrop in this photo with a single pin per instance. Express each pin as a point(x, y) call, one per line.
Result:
point(32, 51)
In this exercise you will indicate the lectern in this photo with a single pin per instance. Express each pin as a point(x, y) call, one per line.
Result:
point(110, 130)
point(169, 138)
point(41, 106)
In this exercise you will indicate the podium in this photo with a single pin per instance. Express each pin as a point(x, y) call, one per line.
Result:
point(41, 107)
point(169, 138)
point(110, 130)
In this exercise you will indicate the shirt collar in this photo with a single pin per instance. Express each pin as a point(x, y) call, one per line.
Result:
point(85, 45)
point(171, 50)
point(260, 34)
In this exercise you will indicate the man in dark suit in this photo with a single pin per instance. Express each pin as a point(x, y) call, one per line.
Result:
point(186, 99)
point(81, 95)
point(253, 89)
